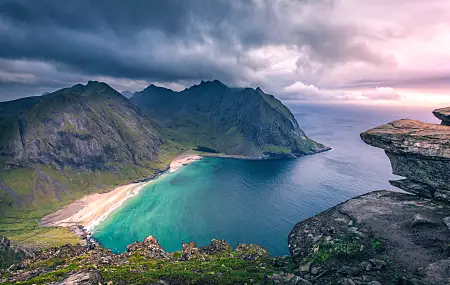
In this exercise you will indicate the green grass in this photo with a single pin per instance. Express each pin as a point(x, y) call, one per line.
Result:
point(378, 244)
point(276, 149)
point(21, 227)
point(343, 247)
point(275, 103)
point(19, 179)
point(226, 270)
point(222, 268)
point(49, 277)
point(70, 128)
point(20, 222)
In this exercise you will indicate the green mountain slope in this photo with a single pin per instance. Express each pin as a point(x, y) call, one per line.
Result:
point(83, 126)
point(244, 122)
point(64, 145)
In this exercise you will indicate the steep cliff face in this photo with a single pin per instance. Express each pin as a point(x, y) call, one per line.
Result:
point(418, 151)
point(90, 126)
point(232, 121)
point(387, 237)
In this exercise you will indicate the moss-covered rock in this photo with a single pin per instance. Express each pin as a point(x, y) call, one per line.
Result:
point(215, 264)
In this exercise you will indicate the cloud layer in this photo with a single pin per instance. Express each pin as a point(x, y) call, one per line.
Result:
point(296, 49)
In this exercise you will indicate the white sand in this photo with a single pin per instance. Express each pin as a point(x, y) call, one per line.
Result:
point(91, 210)
point(183, 159)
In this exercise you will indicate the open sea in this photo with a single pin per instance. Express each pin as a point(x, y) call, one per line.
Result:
point(259, 202)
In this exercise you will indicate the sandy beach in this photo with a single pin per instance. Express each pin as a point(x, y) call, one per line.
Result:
point(183, 159)
point(92, 209)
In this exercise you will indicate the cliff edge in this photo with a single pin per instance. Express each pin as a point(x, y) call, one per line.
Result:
point(418, 151)
point(387, 237)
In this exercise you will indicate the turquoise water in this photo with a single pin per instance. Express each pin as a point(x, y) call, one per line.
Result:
point(259, 201)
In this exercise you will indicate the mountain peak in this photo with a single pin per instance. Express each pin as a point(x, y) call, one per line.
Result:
point(96, 84)
point(92, 82)
point(91, 85)
point(154, 87)
point(209, 82)
point(215, 81)
point(214, 84)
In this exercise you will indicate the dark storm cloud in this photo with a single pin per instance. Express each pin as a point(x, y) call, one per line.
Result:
point(134, 39)
point(55, 43)
point(158, 40)
point(172, 17)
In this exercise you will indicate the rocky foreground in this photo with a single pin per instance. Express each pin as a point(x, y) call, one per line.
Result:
point(386, 237)
point(147, 263)
point(378, 238)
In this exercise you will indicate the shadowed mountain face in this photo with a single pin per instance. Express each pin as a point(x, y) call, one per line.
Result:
point(127, 94)
point(60, 146)
point(233, 121)
point(90, 126)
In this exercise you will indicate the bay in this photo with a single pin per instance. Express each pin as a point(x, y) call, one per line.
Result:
point(259, 202)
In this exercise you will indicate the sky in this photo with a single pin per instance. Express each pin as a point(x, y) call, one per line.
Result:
point(346, 51)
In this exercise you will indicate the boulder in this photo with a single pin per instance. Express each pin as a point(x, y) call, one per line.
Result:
point(216, 246)
point(150, 248)
point(82, 278)
point(5, 244)
point(291, 279)
point(189, 249)
point(251, 251)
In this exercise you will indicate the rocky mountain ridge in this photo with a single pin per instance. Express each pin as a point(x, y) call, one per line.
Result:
point(85, 126)
point(236, 121)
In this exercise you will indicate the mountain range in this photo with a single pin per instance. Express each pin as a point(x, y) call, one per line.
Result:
point(60, 146)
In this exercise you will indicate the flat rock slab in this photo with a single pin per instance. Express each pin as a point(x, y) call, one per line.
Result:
point(410, 136)
point(418, 151)
point(404, 231)
point(443, 114)
point(82, 278)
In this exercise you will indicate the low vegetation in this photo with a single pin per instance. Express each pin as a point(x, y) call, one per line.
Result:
point(249, 265)
point(43, 190)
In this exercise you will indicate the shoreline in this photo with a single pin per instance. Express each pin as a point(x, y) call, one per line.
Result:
point(91, 210)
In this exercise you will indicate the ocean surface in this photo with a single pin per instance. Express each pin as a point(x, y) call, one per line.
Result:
point(260, 201)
